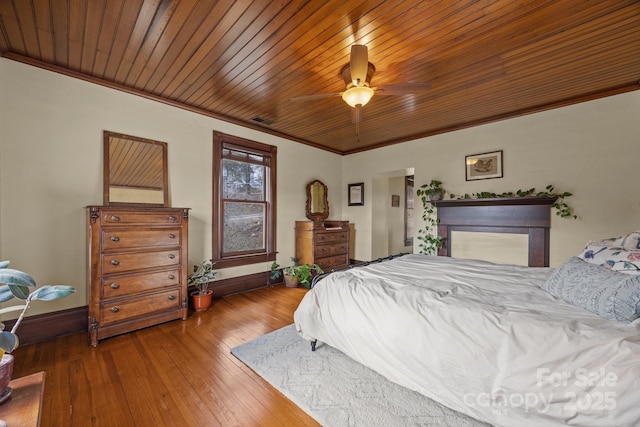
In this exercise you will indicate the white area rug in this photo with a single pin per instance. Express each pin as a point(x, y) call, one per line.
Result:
point(337, 391)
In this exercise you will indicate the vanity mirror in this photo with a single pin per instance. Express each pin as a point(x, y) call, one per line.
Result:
point(135, 171)
point(317, 203)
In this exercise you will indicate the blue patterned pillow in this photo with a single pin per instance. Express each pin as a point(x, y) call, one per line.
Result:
point(607, 293)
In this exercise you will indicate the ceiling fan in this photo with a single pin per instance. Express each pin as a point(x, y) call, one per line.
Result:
point(357, 76)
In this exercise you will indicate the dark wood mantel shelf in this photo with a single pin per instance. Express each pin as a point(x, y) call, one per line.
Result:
point(499, 201)
point(518, 215)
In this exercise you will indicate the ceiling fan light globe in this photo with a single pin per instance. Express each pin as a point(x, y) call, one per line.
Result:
point(357, 95)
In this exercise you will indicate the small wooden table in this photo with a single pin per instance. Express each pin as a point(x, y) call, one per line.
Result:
point(24, 405)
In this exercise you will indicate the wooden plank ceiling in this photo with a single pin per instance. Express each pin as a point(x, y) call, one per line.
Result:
point(237, 60)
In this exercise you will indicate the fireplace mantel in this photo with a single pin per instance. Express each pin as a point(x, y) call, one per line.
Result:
point(517, 215)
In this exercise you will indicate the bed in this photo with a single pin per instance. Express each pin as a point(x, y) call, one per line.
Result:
point(509, 345)
point(489, 340)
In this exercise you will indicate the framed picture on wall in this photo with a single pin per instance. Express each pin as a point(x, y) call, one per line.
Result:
point(356, 194)
point(483, 165)
point(395, 201)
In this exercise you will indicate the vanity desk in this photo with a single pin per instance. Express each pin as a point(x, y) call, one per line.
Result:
point(325, 243)
point(321, 241)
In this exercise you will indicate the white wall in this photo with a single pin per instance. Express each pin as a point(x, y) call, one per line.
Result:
point(51, 169)
point(590, 149)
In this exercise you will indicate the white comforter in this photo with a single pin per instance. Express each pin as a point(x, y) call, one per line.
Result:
point(480, 338)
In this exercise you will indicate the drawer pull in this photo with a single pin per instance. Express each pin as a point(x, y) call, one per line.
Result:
point(172, 218)
point(172, 236)
point(114, 286)
point(115, 239)
point(115, 218)
point(115, 309)
point(172, 256)
point(172, 297)
point(115, 262)
point(171, 276)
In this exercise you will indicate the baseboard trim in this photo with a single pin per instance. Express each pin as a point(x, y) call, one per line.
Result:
point(47, 326)
point(235, 285)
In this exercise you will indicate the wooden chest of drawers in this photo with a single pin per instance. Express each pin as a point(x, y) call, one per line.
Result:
point(137, 268)
point(325, 243)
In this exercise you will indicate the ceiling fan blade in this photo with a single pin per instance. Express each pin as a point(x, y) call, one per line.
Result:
point(359, 64)
point(403, 89)
point(316, 96)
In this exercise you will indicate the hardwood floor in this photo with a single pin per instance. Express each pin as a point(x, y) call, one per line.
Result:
point(180, 373)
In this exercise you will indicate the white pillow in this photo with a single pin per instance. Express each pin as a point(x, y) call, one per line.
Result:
point(610, 243)
point(631, 241)
point(612, 258)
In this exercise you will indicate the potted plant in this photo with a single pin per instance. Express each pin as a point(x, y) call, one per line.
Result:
point(296, 275)
point(202, 275)
point(17, 284)
point(433, 190)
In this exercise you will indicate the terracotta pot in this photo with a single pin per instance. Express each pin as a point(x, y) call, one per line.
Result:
point(290, 282)
point(201, 302)
point(6, 370)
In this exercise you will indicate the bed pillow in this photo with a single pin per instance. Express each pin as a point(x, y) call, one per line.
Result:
point(607, 293)
point(614, 242)
point(631, 241)
point(612, 258)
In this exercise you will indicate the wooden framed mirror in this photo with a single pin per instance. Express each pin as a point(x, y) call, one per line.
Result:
point(135, 171)
point(317, 202)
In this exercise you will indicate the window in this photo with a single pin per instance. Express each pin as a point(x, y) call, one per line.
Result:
point(408, 210)
point(244, 194)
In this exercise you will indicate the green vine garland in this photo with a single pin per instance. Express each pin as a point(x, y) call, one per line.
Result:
point(563, 210)
point(430, 242)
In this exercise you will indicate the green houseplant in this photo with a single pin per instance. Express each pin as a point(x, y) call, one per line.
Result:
point(296, 275)
point(429, 241)
point(17, 284)
point(202, 275)
point(433, 190)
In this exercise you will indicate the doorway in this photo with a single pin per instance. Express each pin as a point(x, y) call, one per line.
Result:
point(392, 214)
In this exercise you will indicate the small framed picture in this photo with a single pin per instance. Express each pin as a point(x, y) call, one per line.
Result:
point(395, 201)
point(356, 194)
point(483, 165)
